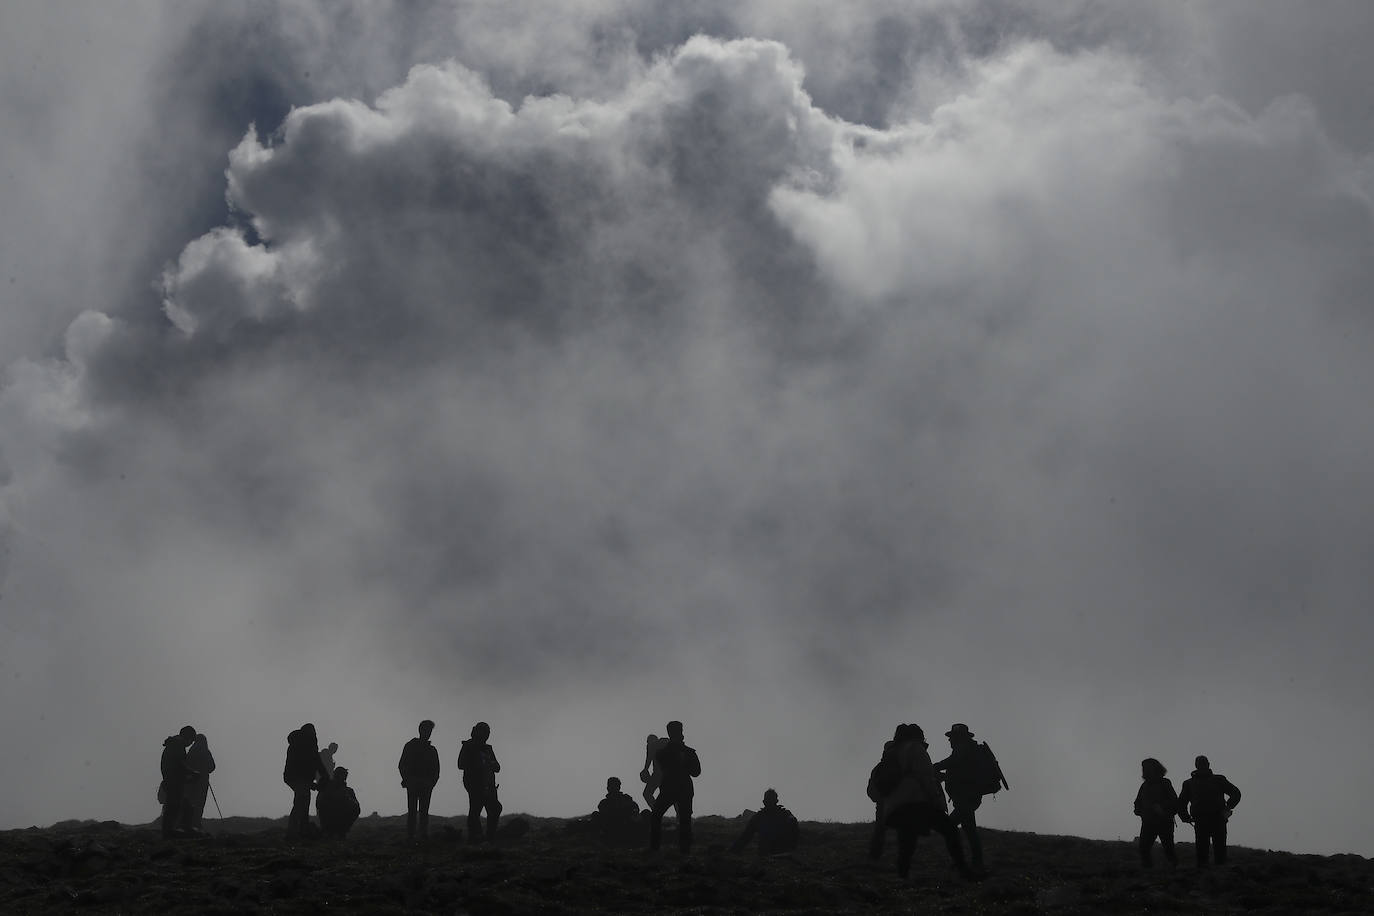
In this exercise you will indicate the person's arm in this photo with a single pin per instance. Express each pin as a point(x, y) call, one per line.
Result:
point(1139, 798)
point(749, 830)
point(1185, 797)
point(495, 764)
point(1231, 792)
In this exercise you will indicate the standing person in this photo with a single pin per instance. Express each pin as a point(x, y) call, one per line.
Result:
point(679, 765)
point(327, 758)
point(303, 768)
point(479, 765)
point(172, 789)
point(200, 763)
point(419, 768)
point(917, 805)
point(1156, 803)
point(1206, 801)
point(959, 771)
point(650, 775)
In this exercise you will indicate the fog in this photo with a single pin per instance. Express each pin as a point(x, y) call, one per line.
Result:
point(789, 373)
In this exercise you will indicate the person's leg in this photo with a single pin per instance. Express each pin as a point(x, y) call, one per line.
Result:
point(907, 832)
point(1219, 841)
point(660, 808)
point(493, 806)
point(684, 824)
point(1145, 842)
point(474, 815)
point(300, 809)
point(964, 816)
point(875, 842)
point(412, 801)
point(941, 824)
point(422, 805)
point(171, 813)
point(1166, 843)
point(1202, 837)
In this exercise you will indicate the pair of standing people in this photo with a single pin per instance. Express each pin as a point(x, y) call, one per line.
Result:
point(186, 766)
point(419, 768)
point(906, 790)
point(1205, 800)
point(669, 768)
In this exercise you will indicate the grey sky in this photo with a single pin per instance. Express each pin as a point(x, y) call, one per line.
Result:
point(789, 373)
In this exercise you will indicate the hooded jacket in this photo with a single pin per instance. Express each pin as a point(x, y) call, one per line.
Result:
point(1207, 795)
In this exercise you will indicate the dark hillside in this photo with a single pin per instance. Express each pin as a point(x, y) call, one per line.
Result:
point(248, 867)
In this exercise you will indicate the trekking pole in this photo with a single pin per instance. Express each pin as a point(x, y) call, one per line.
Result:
point(216, 801)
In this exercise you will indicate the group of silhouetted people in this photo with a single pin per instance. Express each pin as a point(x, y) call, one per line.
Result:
point(1205, 800)
point(912, 794)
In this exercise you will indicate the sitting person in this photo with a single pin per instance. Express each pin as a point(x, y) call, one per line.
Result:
point(616, 818)
point(776, 827)
point(337, 805)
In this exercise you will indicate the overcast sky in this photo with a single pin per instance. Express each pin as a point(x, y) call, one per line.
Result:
point(788, 369)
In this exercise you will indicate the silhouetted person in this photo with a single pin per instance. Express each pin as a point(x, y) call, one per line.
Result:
point(1206, 800)
point(1156, 804)
point(650, 775)
point(419, 768)
point(174, 774)
point(960, 774)
point(479, 765)
point(337, 805)
point(678, 765)
point(200, 763)
point(917, 804)
point(303, 768)
point(327, 758)
point(616, 817)
point(775, 826)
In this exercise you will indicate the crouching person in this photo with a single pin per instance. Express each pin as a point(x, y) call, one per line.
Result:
point(775, 826)
point(337, 805)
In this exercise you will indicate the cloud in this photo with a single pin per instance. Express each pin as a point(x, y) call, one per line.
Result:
point(691, 385)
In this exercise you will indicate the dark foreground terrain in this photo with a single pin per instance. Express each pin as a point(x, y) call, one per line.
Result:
point(247, 866)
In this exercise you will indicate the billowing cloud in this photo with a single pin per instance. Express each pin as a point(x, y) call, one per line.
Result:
point(698, 383)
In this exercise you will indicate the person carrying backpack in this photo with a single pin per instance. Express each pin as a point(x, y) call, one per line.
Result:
point(916, 805)
point(303, 771)
point(1156, 803)
point(967, 778)
point(1206, 800)
point(479, 765)
point(679, 765)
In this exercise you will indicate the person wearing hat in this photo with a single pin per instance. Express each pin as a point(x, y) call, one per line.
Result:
point(916, 805)
point(959, 771)
point(172, 791)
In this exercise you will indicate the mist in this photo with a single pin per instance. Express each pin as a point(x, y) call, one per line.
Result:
point(787, 373)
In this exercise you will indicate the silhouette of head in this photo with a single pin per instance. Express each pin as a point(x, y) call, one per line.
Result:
point(1202, 763)
point(910, 732)
point(199, 741)
point(308, 730)
point(481, 731)
point(958, 732)
point(341, 775)
point(652, 739)
point(1151, 768)
point(333, 746)
point(675, 730)
point(770, 798)
point(612, 785)
point(426, 729)
point(187, 734)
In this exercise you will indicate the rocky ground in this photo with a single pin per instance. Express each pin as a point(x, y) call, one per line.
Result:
point(247, 866)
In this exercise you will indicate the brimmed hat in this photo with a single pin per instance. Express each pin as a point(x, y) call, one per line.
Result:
point(958, 730)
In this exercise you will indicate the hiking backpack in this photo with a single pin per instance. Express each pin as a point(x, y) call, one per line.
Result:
point(987, 772)
point(885, 776)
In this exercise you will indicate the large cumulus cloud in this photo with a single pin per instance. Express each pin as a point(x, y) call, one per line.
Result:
point(690, 386)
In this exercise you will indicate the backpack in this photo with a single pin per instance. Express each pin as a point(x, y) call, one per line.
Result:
point(987, 772)
point(885, 776)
